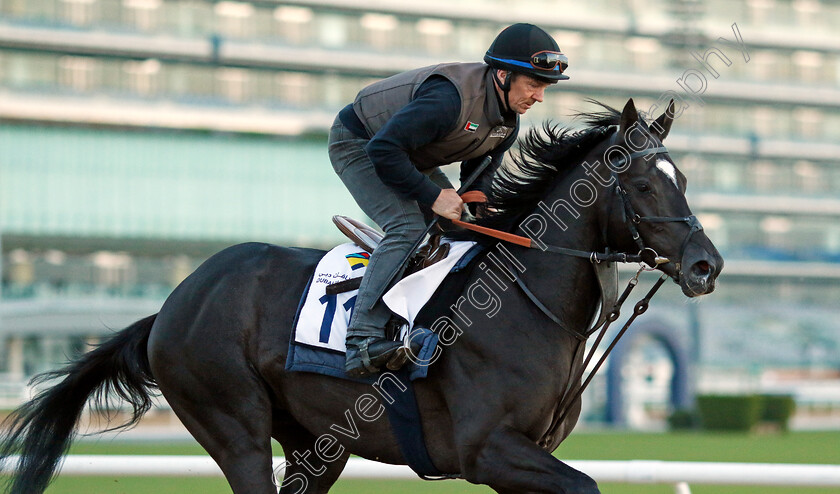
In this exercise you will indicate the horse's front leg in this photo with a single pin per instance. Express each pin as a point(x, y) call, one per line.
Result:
point(508, 461)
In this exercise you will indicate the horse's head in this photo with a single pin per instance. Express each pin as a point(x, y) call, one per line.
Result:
point(649, 211)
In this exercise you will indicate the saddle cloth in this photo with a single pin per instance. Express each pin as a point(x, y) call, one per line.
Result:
point(318, 343)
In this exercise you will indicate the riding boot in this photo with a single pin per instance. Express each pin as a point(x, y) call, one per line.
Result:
point(367, 355)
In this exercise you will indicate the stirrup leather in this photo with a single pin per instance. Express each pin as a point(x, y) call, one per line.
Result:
point(365, 356)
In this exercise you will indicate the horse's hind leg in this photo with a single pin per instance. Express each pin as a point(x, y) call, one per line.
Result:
point(307, 471)
point(230, 417)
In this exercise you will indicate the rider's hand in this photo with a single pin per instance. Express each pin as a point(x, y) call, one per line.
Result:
point(448, 204)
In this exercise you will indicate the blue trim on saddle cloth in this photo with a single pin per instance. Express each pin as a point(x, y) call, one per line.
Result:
point(305, 358)
point(467, 257)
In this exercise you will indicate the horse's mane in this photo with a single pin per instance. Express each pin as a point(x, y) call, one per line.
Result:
point(545, 155)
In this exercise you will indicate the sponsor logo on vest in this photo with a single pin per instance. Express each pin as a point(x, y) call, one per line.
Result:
point(499, 132)
point(471, 127)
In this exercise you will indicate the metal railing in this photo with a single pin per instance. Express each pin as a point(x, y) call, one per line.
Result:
point(678, 473)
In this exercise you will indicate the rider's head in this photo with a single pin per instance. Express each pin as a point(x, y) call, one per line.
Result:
point(528, 50)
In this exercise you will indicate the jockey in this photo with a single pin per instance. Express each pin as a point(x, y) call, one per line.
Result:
point(388, 144)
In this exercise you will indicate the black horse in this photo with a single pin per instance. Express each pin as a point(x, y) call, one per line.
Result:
point(217, 348)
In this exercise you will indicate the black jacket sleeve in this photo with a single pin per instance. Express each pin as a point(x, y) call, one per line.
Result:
point(429, 117)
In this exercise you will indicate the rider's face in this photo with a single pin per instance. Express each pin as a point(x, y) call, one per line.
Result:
point(524, 92)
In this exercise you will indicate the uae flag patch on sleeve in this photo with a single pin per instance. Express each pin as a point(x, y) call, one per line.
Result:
point(471, 127)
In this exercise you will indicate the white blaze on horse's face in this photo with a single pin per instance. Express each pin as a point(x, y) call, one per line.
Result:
point(668, 169)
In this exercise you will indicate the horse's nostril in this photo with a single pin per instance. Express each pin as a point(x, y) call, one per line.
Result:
point(701, 268)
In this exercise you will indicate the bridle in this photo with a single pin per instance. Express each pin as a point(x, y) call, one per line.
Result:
point(647, 257)
point(633, 219)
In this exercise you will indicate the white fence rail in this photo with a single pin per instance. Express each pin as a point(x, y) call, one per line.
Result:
point(635, 471)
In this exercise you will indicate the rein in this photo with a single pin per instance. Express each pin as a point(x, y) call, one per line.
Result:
point(475, 196)
point(646, 255)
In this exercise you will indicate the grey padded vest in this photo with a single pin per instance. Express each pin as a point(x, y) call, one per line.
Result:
point(481, 127)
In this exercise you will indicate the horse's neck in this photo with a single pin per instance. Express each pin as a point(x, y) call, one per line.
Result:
point(567, 285)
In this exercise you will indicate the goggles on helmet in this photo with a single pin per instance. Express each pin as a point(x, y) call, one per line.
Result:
point(549, 60)
point(543, 60)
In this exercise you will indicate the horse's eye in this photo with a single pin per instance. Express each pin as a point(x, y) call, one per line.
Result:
point(643, 187)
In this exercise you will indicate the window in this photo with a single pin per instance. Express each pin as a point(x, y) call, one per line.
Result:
point(808, 122)
point(472, 39)
point(143, 14)
point(294, 24)
point(832, 239)
point(765, 120)
point(199, 81)
point(743, 231)
point(765, 65)
point(380, 30)
point(761, 11)
point(808, 65)
point(234, 84)
point(570, 43)
point(189, 18)
point(810, 177)
point(333, 31)
point(294, 88)
point(435, 35)
point(643, 52)
point(612, 52)
point(763, 174)
point(112, 268)
point(78, 12)
point(20, 268)
point(234, 18)
point(807, 12)
point(78, 73)
point(728, 175)
point(143, 76)
point(715, 225)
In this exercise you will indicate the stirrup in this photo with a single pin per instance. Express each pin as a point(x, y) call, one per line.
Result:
point(399, 359)
point(363, 362)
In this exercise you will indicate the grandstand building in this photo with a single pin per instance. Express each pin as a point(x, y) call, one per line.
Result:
point(137, 137)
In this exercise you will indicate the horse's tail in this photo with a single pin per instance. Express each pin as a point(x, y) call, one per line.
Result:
point(41, 430)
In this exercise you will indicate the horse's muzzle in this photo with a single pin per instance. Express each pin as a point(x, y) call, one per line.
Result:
point(698, 270)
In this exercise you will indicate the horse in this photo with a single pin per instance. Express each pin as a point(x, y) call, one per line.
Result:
point(217, 348)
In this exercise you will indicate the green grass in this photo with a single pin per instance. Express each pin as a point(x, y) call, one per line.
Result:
point(799, 447)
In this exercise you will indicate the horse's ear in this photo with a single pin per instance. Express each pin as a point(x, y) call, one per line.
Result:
point(662, 125)
point(629, 116)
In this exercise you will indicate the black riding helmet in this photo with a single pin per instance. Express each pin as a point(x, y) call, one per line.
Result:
point(526, 49)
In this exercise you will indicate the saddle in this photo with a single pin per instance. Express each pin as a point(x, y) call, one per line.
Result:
point(369, 238)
